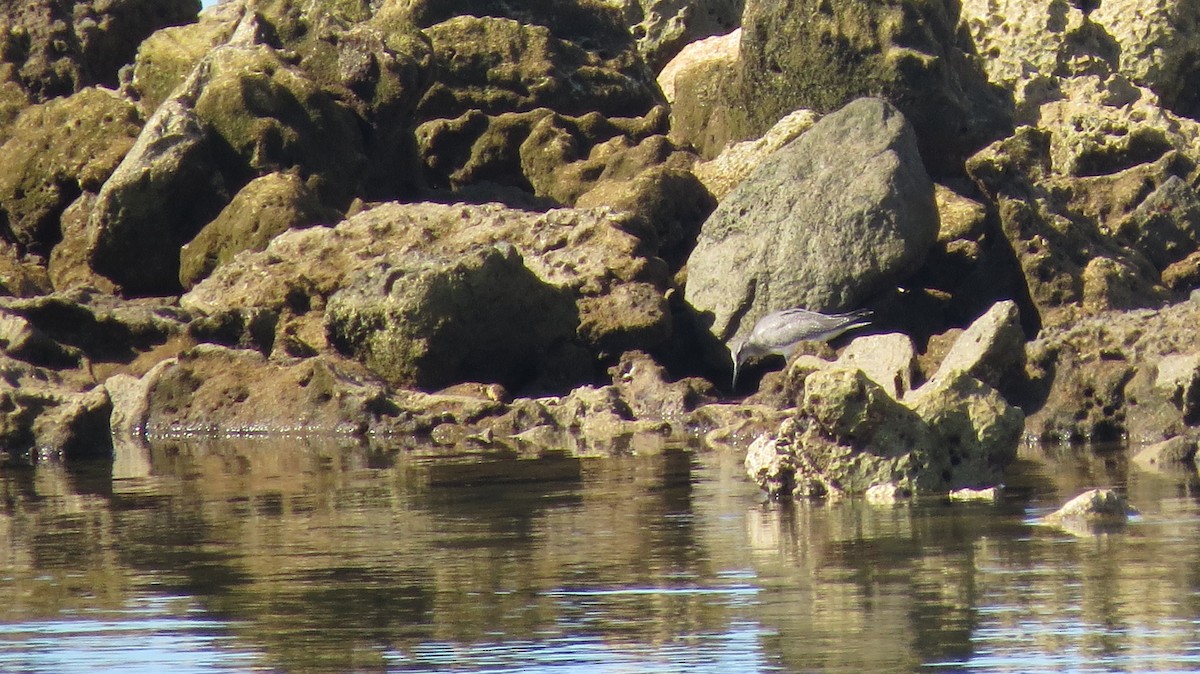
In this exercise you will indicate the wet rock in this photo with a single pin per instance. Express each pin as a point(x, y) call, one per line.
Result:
point(736, 426)
point(22, 340)
point(886, 494)
point(54, 152)
point(991, 350)
point(77, 428)
point(428, 322)
point(974, 429)
point(1093, 511)
point(839, 230)
point(1177, 451)
point(849, 435)
point(645, 386)
point(907, 52)
point(617, 290)
point(989, 495)
point(265, 207)
point(216, 390)
point(44, 414)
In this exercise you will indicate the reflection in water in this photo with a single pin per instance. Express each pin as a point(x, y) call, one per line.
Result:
point(305, 555)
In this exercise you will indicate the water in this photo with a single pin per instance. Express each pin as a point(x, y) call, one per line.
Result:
point(288, 556)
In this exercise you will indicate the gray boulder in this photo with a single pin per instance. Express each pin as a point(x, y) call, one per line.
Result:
point(842, 212)
point(992, 349)
point(430, 322)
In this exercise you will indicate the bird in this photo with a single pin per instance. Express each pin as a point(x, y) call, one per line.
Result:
point(781, 332)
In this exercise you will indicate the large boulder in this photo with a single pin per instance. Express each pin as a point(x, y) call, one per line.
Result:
point(819, 55)
point(425, 322)
point(834, 217)
point(617, 289)
point(696, 83)
point(56, 151)
point(160, 195)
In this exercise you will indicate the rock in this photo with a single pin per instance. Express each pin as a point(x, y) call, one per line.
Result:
point(582, 252)
point(697, 83)
point(991, 350)
point(54, 152)
point(889, 360)
point(907, 52)
point(1118, 375)
point(849, 435)
point(554, 157)
point(839, 230)
point(427, 322)
point(22, 276)
point(886, 494)
point(156, 200)
point(1027, 45)
point(645, 386)
point(972, 427)
point(22, 340)
point(274, 117)
point(265, 207)
point(1177, 451)
point(989, 495)
point(1061, 229)
point(736, 162)
point(56, 48)
point(1179, 378)
point(673, 203)
point(102, 328)
point(541, 66)
point(78, 428)
point(1093, 511)
point(664, 27)
point(208, 390)
point(166, 58)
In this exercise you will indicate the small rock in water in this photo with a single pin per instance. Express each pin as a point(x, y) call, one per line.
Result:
point(1091, 510)
point(887, 494)
point(990, 494)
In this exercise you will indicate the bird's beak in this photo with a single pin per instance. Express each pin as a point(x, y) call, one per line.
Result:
point(735, 373)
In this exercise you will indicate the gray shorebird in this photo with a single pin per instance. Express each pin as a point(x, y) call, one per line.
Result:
point(782, 332)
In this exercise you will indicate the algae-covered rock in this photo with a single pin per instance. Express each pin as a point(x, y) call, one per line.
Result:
point(163, 191)
point(273, 117)
point(849, 435)
point(56, 151)
point(56, 48)
point(425, 322)
point(664, 27)
point(817, 55)
point(265, 207)
point(616, 287)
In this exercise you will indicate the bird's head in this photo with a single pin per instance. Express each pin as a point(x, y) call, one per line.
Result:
point(737, 352)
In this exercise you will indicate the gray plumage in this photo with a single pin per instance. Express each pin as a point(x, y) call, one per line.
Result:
point(783, 331)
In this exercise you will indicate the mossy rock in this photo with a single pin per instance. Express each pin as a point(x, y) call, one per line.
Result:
point(270, 116)
point(264, 208)
point(166, 58)
point(57, 150)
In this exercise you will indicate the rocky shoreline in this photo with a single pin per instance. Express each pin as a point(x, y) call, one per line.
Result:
point(484, 224)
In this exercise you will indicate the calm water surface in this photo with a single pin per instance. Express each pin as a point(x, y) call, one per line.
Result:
point(285, 555)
